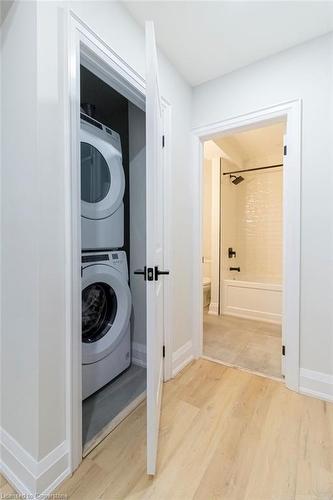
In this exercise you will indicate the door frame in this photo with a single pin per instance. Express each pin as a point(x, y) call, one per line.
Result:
point(84, 45)
point(291, 112)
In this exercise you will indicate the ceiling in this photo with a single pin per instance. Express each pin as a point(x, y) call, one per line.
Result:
point(246, 148)
point(207, 39)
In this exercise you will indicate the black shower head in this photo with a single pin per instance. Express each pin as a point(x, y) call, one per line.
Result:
point(236, 179)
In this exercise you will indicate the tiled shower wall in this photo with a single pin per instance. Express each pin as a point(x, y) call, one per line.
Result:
point(252, 225)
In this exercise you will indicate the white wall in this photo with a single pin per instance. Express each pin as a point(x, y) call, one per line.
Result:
point(20, 226)
point(304, 72)
point(34, 222)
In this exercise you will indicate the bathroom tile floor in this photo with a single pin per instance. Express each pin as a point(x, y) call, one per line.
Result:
point(247, 344)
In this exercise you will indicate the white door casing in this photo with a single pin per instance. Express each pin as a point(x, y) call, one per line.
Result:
point(291, 113)
point(155, 231)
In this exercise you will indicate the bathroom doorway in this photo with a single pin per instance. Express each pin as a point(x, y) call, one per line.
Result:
point(229, 304)
point(242, 249)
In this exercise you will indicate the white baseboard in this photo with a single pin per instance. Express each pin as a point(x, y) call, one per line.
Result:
point(182, 357)
point(14, 481)
point(139, 354)
point(29, 476)
point(316, 384)
point(256, 315)
point(213, 308)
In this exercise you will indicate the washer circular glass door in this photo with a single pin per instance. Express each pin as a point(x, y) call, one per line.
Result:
point(106, 309)
point(102, 174)
point(99, 309)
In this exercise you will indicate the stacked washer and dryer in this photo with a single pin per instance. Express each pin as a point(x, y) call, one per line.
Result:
point(106, 297)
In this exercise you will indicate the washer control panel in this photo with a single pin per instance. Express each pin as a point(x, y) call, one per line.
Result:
point(114, 258)
point(95, 258)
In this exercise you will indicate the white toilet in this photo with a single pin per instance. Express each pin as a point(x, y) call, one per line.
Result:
point(206, 291)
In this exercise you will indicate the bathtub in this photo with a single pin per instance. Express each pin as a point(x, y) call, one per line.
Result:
point(252, 299)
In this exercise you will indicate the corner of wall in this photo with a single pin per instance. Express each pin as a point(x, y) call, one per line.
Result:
point(28, 476)
point(182, 357)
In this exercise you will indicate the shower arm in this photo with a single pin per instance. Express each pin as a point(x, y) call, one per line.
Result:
point(252, 169)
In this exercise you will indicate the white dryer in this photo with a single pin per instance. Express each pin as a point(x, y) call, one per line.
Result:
point(102, 186)
point(106, 311)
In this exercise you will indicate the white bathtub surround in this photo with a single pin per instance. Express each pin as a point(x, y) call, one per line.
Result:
point(251, 219)
point(259, 228)
point(252, 300)
point(252, 210)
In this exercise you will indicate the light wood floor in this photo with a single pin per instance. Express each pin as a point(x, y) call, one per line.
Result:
point(225, 434)
point(249, 344)
point(6, 491)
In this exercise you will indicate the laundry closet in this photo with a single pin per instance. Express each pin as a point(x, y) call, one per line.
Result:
point(113, 244)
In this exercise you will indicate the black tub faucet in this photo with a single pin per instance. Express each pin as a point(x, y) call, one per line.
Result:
point(231, 253)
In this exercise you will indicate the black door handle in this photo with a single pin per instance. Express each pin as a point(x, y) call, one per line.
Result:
point(158, 273)
point(141, 271)
point(146, 272)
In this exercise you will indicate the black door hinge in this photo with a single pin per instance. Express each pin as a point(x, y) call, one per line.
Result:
point(163, 351)
point(285, 150)
point(283, 350)
point(163, 141)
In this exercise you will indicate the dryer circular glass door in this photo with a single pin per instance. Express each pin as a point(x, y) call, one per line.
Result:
point(102, 174)
point(106, 309)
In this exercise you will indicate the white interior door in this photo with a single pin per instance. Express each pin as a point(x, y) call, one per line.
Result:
point(155, 253)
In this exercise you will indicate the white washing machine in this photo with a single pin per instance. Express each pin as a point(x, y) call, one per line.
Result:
point(102, 186)
point(106, 311)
